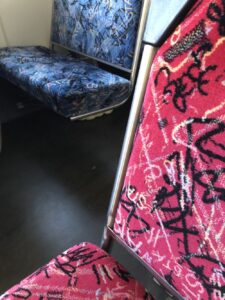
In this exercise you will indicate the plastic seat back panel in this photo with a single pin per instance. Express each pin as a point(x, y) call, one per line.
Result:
point(172, 208)
point(105, 30)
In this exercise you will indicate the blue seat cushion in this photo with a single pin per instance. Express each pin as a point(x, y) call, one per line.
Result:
point(69, 86)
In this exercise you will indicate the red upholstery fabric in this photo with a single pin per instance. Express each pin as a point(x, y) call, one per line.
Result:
point(83, 272)
point(172, 208)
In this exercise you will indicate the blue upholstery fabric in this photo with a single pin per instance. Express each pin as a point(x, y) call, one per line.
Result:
point(102, 29)
point(70, 86)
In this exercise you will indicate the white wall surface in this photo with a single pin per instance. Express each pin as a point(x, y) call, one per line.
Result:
point(25, 22)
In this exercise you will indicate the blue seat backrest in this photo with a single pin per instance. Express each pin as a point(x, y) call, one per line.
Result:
point(103, 29)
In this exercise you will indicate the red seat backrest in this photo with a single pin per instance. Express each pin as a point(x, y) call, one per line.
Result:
point(172, 207)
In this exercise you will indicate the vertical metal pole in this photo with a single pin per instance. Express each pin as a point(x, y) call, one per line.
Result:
point(0, 137)
point(139, 92)
point(141, 29)
point(51, 45)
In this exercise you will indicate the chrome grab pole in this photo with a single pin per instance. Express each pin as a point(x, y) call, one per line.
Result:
point(0, 137)
point(143, 75)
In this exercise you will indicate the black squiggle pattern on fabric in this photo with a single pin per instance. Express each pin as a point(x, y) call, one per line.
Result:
point(217, 14)
point(131, 207)
point(83, 256)
point(194, 77)
point(177, 222)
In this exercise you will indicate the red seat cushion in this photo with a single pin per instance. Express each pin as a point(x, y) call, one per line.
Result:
point(82, 272)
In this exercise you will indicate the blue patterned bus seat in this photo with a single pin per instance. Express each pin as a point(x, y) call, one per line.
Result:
point(69, 86)
point(105, 30)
